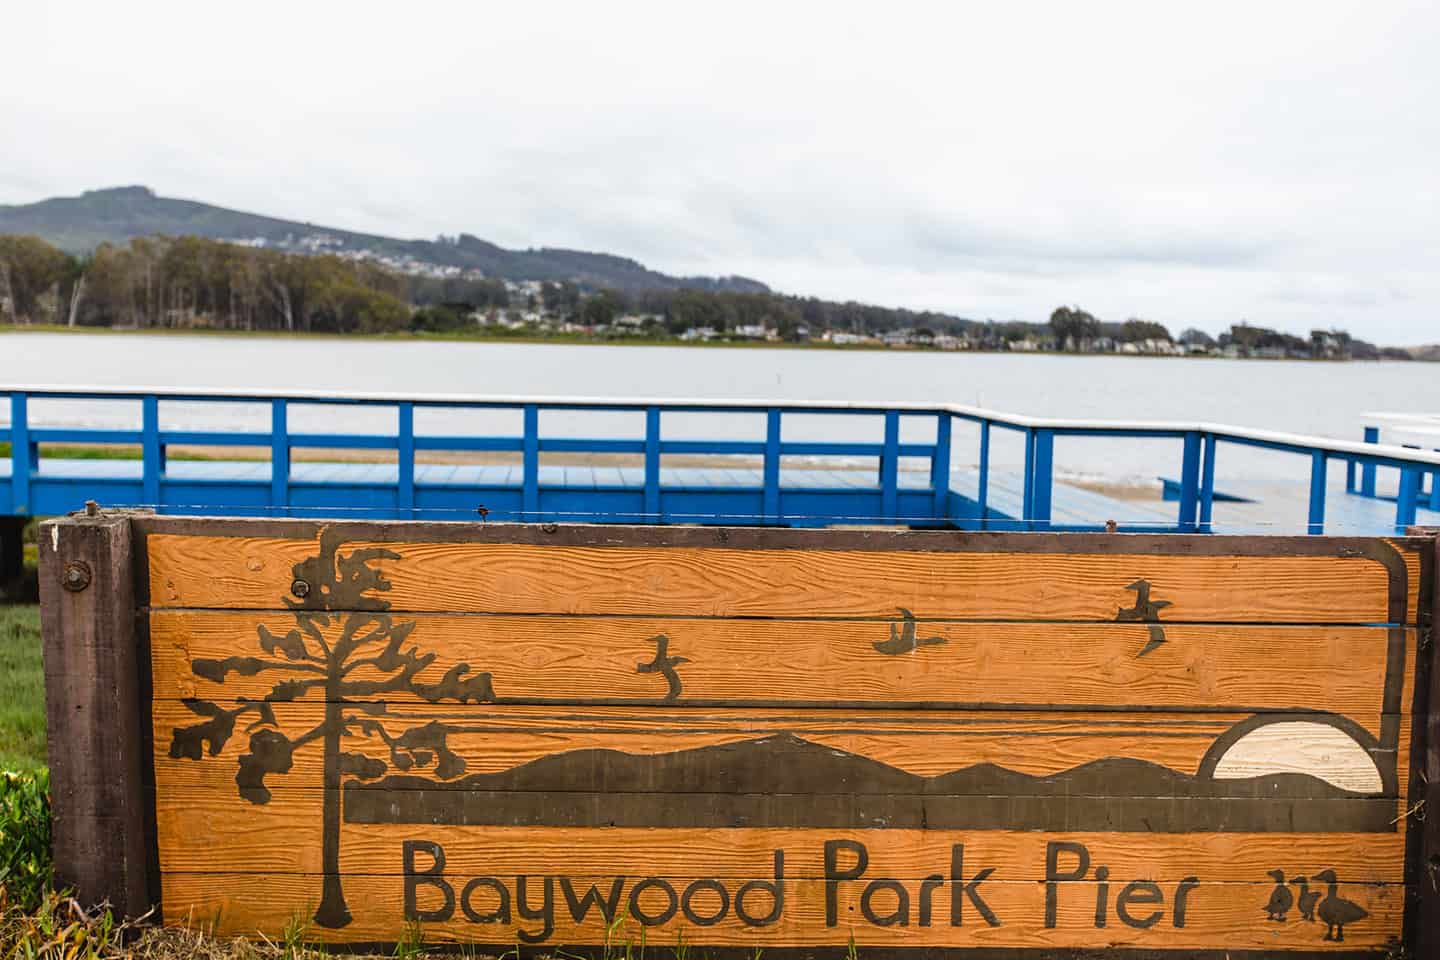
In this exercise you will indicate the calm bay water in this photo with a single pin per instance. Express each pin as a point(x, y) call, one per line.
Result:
point(1319, 398)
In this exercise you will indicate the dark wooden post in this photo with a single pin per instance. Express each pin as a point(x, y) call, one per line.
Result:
point(1425, 812)
point(92, 704)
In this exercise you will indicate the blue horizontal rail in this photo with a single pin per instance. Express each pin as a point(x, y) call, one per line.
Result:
point(907, 483)
point(1416, 484)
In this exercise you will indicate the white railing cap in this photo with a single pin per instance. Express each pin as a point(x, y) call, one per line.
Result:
point(1301, 443)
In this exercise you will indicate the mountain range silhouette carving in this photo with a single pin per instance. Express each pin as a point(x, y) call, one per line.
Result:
point(786, 780)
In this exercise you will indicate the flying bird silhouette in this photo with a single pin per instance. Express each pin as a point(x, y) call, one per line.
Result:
point(664, 665)
point(1146, 611)
point(903, 640)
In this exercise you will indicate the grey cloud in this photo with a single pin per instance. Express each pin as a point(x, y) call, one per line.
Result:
point(1271, 161)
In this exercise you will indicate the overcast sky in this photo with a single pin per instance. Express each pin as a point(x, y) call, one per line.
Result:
point(1194, 164)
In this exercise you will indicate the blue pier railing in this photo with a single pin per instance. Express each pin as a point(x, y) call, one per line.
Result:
point(1412, 486)
point(906, 481)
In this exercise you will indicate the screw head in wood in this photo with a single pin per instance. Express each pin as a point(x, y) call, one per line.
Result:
point(300, 588)
point(76, 576)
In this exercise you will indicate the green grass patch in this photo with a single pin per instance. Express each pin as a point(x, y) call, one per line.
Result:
point(25, 837)
point(102, 452)
point(22, 690)
point(113, 451)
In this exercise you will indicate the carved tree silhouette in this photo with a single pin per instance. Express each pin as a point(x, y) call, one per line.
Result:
point(340, 632)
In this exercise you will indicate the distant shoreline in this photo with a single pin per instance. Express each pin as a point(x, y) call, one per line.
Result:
point(582, 340)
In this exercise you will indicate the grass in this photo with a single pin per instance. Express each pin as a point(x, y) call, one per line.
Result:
point(22, 689)
point(113, 451)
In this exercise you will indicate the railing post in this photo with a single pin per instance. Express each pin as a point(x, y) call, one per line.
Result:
point(1318, 465)
point(772, 466)
point(1027, 482)
point(1189, 482)
point(279, 458)
point(20, 460)
point(1042, 481)
point(982, 487)
point(1367, 470)
point(890, 467)
point(530, 463)
point(1435, 487)
point(652, 465)
point(940, 468)
point(152, 465)
point(405, 457)
point(1207, 483)
point(1405, 502)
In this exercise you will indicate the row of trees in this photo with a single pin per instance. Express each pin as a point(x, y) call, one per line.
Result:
point(1076, 327)
point(193, 281)
point(189, 281)
point(681, 310)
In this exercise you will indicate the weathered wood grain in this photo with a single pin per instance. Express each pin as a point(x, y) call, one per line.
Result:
point(207, 833)
point(571, 659)
point(496, 738)
point(1217, 915)
point(1415, 553)
point(93, 684)
point(786, 708)
point(256, 573)
point(1422, 813)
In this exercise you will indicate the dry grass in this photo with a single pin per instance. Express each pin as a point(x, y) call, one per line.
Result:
point(60, 929)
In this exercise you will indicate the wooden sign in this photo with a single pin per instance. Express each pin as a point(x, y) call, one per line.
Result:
point(560, 738)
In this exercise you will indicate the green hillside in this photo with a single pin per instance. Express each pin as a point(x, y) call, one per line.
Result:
point(79, 224)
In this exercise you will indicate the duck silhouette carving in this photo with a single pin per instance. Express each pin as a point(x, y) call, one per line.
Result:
point(1281, 899)
point(1307, 899)
point(1335, 911)
point(904, 639)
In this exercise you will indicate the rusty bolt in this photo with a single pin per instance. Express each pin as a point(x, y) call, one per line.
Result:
point(76, 576)
point(300, 588)
point(92, 509)
point(550, 528)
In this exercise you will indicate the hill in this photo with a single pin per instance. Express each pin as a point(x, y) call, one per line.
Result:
point(80, 224)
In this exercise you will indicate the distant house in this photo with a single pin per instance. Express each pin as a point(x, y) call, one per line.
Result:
point(699, 333)
point(751, 331)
